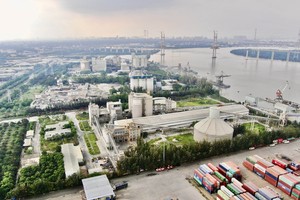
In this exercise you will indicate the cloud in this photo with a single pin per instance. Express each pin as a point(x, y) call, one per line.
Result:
point(102, 7)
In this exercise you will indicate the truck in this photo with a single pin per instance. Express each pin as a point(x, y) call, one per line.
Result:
point(121, 185)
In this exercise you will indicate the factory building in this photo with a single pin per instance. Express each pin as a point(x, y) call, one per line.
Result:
point(139, 61)
point(98, 64)
point(126, 133)
point(181, 119)
point(140, 79)
point(85, 65)
point(212, 128)
point(113, 111)
point(140, 104)
point(124, 67)
point(163, 104)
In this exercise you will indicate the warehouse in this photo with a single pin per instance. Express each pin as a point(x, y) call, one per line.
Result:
point(98, 187)
point(72, 158)
point(181, 119)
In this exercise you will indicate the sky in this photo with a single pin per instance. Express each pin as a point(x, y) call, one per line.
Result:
point(71, 19)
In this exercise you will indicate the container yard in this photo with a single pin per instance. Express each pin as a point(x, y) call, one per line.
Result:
point(225, 179)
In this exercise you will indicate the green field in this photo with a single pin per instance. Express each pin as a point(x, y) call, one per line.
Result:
point(256, 128)
point(196, 102)
point(90, 140)
point(84, 126)
point(82, 116)
point(181, 139)
point(151, 142)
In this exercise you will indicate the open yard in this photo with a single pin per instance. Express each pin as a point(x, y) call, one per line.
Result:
point(181, 139)
point(254, 127)
point(196, 102)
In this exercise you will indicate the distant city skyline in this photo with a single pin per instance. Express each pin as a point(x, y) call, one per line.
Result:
point(71, 19)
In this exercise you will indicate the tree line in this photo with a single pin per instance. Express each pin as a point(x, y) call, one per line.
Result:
point(149, 157)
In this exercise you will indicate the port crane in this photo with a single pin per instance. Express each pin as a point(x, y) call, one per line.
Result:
point(279, 92)
point(219, 81)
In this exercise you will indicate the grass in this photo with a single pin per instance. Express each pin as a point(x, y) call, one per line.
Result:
point(90, 140)
point(196, 102)
point(48, 145)
point(33, 90)
point(181, 139)
point(256, 128)
point(82, 116)
point(151, 142)
point(84, 126)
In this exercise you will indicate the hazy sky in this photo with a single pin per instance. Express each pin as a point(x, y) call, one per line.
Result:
point(51, 19)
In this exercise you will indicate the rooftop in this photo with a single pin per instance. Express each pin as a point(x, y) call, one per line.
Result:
point(72, 156)
point(97, 187)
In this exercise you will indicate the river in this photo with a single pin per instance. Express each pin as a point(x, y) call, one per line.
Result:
point(259, 78)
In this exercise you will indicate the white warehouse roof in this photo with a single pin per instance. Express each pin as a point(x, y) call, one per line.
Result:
point(97, 187)
point(72, 156)
point(181, 119)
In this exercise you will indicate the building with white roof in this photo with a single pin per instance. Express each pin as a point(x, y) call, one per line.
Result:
point(98, 188)
point(181, 119)
point(212, 128)
point(72, 158)
point(30, 134)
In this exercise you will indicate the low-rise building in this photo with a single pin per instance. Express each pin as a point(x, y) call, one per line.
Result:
point(57, 133)
point(98, 188)
point(27, 142)
point(163, 104)
point(140, 104)
point(72, 158)
point(30, 134)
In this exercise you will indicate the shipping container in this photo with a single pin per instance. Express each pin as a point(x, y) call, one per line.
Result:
point(279, 163)
point(212, 167)
point(248, 165)
point(226, 191)
point(259, 196)
point(284, 188)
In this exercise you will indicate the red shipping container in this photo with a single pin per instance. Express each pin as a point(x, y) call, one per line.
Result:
point(221, 171)
point(265, 164)
point(212, 167)
point(248, 165)
point(270, 180)
point(279, 163)
point(249, 189)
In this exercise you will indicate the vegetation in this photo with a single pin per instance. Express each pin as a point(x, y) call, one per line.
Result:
point(196, 102)
point(48, 176)
point(148, 157)
point(90, 140)
point(82, 116)
point(11, 141)
point(103, 78)
point(54, 144)
point(84, 126)
point(182, 139)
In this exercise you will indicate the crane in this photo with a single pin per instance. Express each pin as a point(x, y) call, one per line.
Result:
point(279, 92)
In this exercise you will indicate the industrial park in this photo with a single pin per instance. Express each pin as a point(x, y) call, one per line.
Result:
point(99, 109)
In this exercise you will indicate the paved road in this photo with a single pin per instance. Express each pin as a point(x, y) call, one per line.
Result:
point(85, 152)
point(173, 183)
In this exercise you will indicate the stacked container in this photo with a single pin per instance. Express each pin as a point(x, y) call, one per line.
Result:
point(248, 165)
point(272, 174)
point(296, 192)
point(250, 187)
point(268, 193)
point(286, 183)
point(229, 170)
point(206, 178)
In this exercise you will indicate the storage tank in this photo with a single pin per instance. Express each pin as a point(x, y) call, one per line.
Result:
point(212, 128)
point(137, 107)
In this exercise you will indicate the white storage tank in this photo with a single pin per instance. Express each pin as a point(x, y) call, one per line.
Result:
point(212, 128)
point(137, 107)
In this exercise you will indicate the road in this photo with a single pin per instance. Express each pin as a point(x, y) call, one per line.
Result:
point(173, 183)
point(85, 152)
